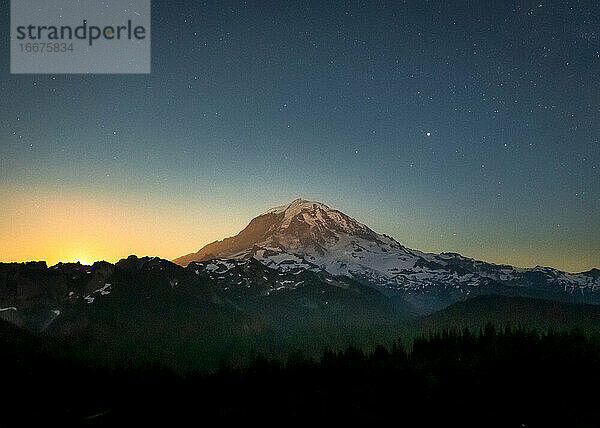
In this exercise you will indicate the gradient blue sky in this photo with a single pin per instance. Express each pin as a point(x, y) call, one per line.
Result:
point(460, 126)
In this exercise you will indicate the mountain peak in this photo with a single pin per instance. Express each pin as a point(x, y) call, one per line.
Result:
point(296, 206)
point(301, 228)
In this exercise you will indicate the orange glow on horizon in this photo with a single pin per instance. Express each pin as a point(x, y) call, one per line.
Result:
point(55, 227)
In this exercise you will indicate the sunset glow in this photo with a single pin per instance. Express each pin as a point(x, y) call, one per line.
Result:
point(56, 226)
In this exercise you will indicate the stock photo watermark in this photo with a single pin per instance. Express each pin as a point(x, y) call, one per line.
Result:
point(86, 36)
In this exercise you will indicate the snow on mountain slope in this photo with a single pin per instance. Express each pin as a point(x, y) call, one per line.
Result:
point(311, 235)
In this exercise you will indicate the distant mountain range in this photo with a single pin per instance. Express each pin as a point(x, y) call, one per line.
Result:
point(311, 236)
point(153, 310)
point(301, 275)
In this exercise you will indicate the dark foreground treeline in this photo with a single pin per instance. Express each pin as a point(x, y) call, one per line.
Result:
point(512, 377)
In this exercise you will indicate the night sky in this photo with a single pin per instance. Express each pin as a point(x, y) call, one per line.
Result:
point(471, 127)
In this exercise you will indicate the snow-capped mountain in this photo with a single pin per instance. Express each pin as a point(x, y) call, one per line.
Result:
point(313, 236)
point(301, 265)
